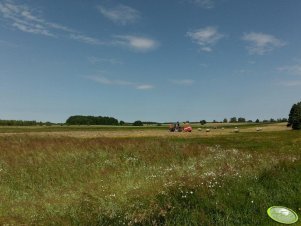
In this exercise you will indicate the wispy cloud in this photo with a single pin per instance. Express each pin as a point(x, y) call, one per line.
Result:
point(29, 20)
point(144, 87)
point(106, 81)
point(35, 29)
point(60, 27)
point(121, 14)
point(291, 69)
point(207, 4)
point(182, 81)
point(86, 39)
point(260, 43)
point(97, 60)
point(136, 42)
point(26, 19)
point(206, 37)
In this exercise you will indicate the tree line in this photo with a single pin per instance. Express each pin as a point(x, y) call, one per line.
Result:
point(91, 120)
point(22, 123)
point(294, 120)
point(242, 120)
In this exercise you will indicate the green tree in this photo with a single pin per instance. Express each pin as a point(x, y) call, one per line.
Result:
point(290, 116)
point(138, 123)
point(294, 119)
point(284, 120)
point(225, 120)
point(203, 122)
point(91, 120)
point(257, 121)
point(17, 123)
point(233, 119)
point(241, 119)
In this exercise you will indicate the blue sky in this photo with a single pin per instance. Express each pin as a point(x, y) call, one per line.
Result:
point(171, 60)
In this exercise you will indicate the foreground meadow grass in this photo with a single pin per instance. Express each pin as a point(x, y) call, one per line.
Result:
point(220, 180)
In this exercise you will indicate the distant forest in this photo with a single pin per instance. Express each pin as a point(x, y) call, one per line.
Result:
point(22, 123)
point(91, 120)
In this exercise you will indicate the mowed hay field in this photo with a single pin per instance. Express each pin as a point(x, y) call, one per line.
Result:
point(80, 176)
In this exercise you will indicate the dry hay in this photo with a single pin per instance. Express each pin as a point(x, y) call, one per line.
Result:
point(149, 133)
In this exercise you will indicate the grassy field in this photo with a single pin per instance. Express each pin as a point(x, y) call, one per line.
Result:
point(124, 176)
point(66, 128)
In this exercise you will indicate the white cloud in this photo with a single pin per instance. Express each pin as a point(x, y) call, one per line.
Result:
point(101, 80)
point(206, 49)
point(60, 27)
point(182, 81)
point(260, 43)
point(35, 29)
point(121, 14)
point(206, 37)
point(136, 42)
point(29, 20)
point(291, 69)
point(24, 19)
point(207, 4)
point(86, 39)
point(144, 87)
point(106, 81)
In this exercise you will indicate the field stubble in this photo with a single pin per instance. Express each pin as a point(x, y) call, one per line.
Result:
point(135, 132)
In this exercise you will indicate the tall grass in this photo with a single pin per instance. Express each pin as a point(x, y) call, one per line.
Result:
point(228, 180)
